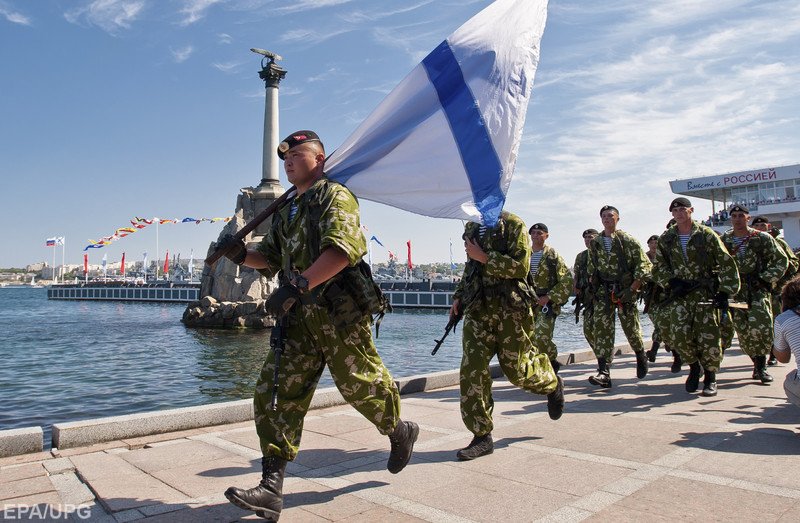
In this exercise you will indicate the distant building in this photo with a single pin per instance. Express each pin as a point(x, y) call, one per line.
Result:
point(773, 192)
point(36, 267)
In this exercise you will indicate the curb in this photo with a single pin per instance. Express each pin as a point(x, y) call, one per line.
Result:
point(26, 440)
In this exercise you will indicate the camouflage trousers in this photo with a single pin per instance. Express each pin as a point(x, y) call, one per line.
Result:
point(754, 326)
point(588, 325)
point(661, 327)
point(491, 329)
point(604, 331)
point(543, 327)
point(694, 331)
point(354, 364)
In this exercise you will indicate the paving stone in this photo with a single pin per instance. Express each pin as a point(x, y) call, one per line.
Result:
point(71, 490)
point(206, 478)
point(58, 465)
point(18, 472)
point(25, 487)
point(180, 454)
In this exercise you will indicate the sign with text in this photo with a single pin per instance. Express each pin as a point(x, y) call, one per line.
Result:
point(722, 181)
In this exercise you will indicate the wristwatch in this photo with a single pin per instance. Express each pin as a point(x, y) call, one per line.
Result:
point(301, 283)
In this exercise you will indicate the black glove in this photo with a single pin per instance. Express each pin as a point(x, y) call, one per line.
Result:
point(720, 300)
point(233, 248)
point(627, 295)
point(280, 301)
point(678, 287)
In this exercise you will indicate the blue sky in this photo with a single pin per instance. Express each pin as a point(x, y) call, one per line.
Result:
point(111, 109)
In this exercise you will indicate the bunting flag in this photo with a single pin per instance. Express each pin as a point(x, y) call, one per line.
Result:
point(467, 102)
point(166, 263)
point(85, 264)
point(452, 264)
point(137, 224)
point(408, 243)
point(376, 240)
point(122, 265)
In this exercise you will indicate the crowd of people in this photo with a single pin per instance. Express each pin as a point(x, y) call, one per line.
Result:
point(699, 289)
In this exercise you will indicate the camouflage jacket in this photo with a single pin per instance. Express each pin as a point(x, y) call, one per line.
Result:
point(706, 259)
point(794, 262)
point(338, 227)
point(763, 262)
point(509, 251)
point(581, 269)
point(626, 261)
point(556, 284)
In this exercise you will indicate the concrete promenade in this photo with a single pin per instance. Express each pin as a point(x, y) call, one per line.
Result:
point(641, 451)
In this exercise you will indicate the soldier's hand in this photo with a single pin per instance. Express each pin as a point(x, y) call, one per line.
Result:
point(627, 295)
point(474, 251)
point(233, 248)
point(543, 300)
point(678, 287)
point(454, 309)
point(280, 301)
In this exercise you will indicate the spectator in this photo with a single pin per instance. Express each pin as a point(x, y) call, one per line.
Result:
point(787, 337)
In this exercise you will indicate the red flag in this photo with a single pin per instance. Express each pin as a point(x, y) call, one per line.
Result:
point(85, 263)
point(122, 265)
point(166, 263)
point(410, 266)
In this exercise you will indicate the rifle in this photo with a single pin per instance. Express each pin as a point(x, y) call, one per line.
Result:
point(255, 222)
point(579, 305)
point(450, 326)
point(277, 341)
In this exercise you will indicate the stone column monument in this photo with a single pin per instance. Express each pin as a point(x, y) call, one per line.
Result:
point(230, 295)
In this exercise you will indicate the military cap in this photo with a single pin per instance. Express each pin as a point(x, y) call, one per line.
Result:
point(296, 138)
point(589, 231)
point(738, 208)
point(760, 219)
point(680, 202)
point(608, 208)
point(653, 237)
point(538, 227)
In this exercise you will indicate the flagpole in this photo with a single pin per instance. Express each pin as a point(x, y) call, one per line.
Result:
point(158, 253)
point(63, 246)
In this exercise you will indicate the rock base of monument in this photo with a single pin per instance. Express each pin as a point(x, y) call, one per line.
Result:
point(210, 313)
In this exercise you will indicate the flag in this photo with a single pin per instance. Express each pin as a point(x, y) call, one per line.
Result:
point(409, 254)
point(191, 263)
point(452, 264)
point(94, 246)
point(50, 242)
point(59, 240)
point(376, 240)
point(122, 266)
point(105, 260)
point(85, 264)
point(444, 142)
point(187, 220)
point(148, 222)
point(166, 263)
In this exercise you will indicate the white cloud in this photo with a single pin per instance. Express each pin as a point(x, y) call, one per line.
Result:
point(227, 67)
point(15, 17)
point(194, 10)
point(310, 36)
point(182, 54)
point(224, 38)
point(306, 5)
point(109, 15)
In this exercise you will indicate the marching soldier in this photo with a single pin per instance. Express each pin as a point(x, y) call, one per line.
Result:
point(495, 299)
point(761, 223)
point(582, 289)
point(653, 296)
point(552, 282)
point(761, 263)
point(617, 268)
point(317, 245)
point(699, 275)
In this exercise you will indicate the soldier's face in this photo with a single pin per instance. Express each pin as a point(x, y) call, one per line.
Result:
point(300, 163)
point(588, 239)
point(609, 219)
point(763, 227)
point(652, 244)
point(739, 219)
point(537, 238)
point(682, 215)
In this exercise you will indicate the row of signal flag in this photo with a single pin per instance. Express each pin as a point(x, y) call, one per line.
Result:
point(140, 223)
point(408, 245)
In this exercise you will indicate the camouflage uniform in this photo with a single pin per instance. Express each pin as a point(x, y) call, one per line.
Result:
point(495, 299)
point(761, 263)
point(791, 271)
point(654, 295)
point(582, 283)
point(554, 279)
point(312, 341)
point(611, 275)
point(695, 328)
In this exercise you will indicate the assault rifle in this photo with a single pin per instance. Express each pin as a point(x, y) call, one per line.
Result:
point(450, 326)
point(277, 341)
point(579, 306)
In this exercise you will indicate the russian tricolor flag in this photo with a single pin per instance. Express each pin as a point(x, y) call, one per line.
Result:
point(444, 142)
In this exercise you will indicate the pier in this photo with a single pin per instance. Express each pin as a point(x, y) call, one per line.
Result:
point(644, 450)
point(118, 291)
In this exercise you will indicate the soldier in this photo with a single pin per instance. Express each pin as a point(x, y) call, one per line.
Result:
point(617, 268)
point(653, 296)
point(552, 282)
point(496, 300)
point(694, 267)
point(581, 288)
point(317, 245)
point(761, 223)
point(761, 263)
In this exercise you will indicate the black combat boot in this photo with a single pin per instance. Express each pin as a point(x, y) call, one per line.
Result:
point(641, 365)
point(556, 365)
point(265, 499)
point(479, 446)
point(693, 381)
point(760, 370)
point(710, 383)
point(555, 400)
point(772, 361)
point(676, 362)
point(603, 377)
point(651, 354)
point(402, 440)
